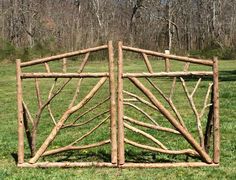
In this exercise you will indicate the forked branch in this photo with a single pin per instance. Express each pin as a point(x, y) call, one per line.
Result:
point(193, 106)
point(64, 117)
point(147, 125)
point(205, 106)
point(142, 111)
point(67, 148)
point(189, 152)
point(89, 132)
point(169, 100)
point(162, 146)
point(85, 122)
point(140, 99)
point(91, 109)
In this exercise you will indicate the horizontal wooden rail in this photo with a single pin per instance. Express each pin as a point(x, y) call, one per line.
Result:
point(167, 165)
point(60, 56)
point(70, 147)
point(67, 164)
point(126, 165)
point(179, 58)
point(63, 75)
point(169, 74)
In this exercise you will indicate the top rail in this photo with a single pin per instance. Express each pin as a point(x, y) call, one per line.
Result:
point(60, 56)
point(179, 58)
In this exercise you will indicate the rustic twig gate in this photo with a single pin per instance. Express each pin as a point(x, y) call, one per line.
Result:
point(118, 138)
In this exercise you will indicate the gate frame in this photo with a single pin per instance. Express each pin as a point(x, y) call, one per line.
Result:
point(19, 78)
point(132, 77)
point(117, 143)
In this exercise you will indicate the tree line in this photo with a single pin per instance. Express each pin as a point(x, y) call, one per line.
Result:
point(66, 25)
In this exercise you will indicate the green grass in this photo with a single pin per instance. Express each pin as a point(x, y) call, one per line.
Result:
point(8, 126)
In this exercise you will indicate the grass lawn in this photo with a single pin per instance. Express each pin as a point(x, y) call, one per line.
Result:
point(8, 127)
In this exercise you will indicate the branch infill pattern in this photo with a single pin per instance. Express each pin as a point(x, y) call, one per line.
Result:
point(198, 115)
point(64, 117)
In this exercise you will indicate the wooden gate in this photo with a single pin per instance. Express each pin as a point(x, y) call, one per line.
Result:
point(198, 148)
point(31, 124)
point(120, 143)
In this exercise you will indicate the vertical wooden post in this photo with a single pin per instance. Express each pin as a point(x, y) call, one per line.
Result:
point(112, 103)
point(64, 61)
point(216, 122)
point(167, 61)
point(121, 152)
point(20, 113)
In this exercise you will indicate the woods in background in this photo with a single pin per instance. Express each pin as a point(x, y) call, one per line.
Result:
point(66, 25)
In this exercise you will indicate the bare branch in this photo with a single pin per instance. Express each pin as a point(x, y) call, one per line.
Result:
point(195, 88)
point(92, 108)
point(141, 99)
point(38, 93)
point(67, 148)
point(172, 88)
point(206, 99)
point(159, 128)
point(192, 104)
point(76, 93)
point(85, 60)
point(85, 122)
point(147, 62)
point(142, 111)
point(28, 113)
point(146, 135)
point(189, 152)
point(89, 132)
point(169, 101)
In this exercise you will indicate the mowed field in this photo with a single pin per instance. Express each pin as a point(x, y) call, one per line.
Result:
point(8, 124)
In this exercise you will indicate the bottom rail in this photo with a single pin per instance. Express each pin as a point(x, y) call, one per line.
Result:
point(104, 164)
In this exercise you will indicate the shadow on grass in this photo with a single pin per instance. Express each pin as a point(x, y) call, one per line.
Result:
point(223, 76)
point(130, 156)
point(15, 157)
point(227, 75)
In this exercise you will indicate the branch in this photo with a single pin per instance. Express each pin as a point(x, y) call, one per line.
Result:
point(38, 93)
point(141, 100)
point(146, 135)
point(147, 62)
point(130, 100)
point(89, 132)
point(67, 148)
point(172, 88)
point(49, 96)
point(169, 100)
point(192, 104)
point(28, 113)
point(205, 101)
point(76, 93)
point(86, 122)
point(143, 112)
point(85, 60)
point(198, 82)
point(64, 117)
point(47, 67)
point(189, 152)
point(92, 108)
point(159, 128)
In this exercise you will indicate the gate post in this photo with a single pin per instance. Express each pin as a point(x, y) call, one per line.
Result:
point(112, 103)
point(121, 158)
point(20, 113)
point(216, 122)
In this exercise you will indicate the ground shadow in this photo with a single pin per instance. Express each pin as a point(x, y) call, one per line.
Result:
point(227, 75)
point(15, 157)
point(130, 156)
